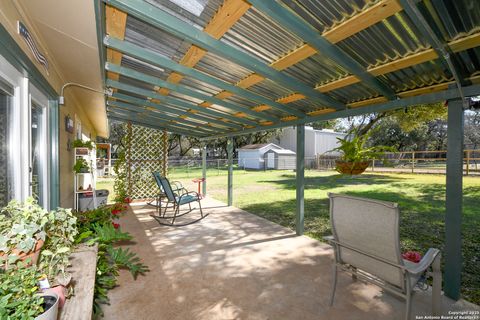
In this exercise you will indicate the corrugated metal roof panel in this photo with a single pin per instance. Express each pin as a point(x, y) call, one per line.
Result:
point(154, 39)
point(270, 89)
point(316, 69)
point(222, 68)
point(261, 37)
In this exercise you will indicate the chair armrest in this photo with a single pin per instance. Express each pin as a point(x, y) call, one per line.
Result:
point(426, 262)
point(328, 238)
point(190, 192)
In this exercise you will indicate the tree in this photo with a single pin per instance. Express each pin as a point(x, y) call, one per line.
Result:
point(333, 124)
point(408, 119)
point(472, 129)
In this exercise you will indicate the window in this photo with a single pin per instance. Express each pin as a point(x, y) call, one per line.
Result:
point(6, 187)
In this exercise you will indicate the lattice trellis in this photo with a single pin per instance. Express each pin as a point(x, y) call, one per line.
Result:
point(146, 152)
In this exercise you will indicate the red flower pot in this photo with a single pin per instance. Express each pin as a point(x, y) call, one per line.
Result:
point(32, 254)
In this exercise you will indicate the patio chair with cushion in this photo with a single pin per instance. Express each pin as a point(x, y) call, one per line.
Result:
point(174, 202)
point(177, 188)
point(366, 244)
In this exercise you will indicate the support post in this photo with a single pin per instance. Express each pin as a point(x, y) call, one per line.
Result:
point(453, 212)
point(300, 179)
point(230, 170)
point(204, 170)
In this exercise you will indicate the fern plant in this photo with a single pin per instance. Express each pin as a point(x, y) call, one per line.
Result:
point(128, 260)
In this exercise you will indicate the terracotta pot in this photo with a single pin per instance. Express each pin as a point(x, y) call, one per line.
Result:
point(351, 168)
point(60, 291)
point(33, 254)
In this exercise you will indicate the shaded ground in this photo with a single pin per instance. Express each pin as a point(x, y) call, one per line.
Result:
point(271, 195)
point(236, 265)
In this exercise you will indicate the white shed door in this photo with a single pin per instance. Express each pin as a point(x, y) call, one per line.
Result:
point(270, 160)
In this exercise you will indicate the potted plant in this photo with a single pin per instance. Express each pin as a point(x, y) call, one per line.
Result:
point(81, 166)
point(356, 156)
point(22, 231)
point(20, 298)
point(78, 143)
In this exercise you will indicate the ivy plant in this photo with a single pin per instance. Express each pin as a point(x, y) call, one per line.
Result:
point(19, 298)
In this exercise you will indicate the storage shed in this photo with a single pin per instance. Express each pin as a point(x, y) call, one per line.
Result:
point(252, 156)
point(279, 159)
point(316, 141)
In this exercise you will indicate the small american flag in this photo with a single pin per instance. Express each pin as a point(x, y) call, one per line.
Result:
point(23, 31)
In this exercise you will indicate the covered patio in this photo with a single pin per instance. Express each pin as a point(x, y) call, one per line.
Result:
point(227, 68)
point(236, 265)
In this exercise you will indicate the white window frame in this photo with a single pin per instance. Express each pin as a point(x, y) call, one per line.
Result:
point(41, 100)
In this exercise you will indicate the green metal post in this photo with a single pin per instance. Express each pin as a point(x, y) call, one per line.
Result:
point(230, 170)
point(300, 179)
point(204, 170)
point(453, 214)
point(54, 155)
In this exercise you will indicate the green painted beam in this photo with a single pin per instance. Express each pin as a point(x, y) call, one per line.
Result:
point(300, 180)
point(454, 198)
point(184, 90)
point(469, 91)
point(178, 111)
point(183, 122)
point(288, 19)
point(128, 116)
point(166, 99)
point(122, 118)
point(100, 26)
point(230, 171)
point(204, 170)
point(183, 30)
point(163, 62)
point(156, 121)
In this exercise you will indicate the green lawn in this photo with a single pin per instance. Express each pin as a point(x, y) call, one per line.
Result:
point(421, 198)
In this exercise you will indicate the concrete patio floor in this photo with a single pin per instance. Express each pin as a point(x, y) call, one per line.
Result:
point(235, 265)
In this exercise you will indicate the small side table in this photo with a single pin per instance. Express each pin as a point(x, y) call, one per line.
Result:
point(199, 181)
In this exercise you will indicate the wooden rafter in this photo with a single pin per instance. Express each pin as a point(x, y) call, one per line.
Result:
point(355, 24)
point(458, 45)
point(363, 20)
point(116, 22)
point(411, 93)
point(226, 16)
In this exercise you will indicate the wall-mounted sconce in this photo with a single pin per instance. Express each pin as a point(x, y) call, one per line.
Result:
point(61, 98)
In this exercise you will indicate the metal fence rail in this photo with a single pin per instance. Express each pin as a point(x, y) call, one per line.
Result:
point(414, 162)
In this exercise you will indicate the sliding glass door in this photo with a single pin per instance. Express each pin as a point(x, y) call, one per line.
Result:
point(24, 143)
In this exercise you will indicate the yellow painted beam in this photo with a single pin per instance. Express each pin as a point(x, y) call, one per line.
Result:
point(115, 24)
point(225, 17)
point(340, 83)
point(363, 20)
point(405, 62)
point(291, 98)
point(289, 118)
point(321, 111)
point(465, 43)
point(366, 102)
point(293, 57)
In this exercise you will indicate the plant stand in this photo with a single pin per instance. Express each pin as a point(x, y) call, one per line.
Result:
point(83, 180)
